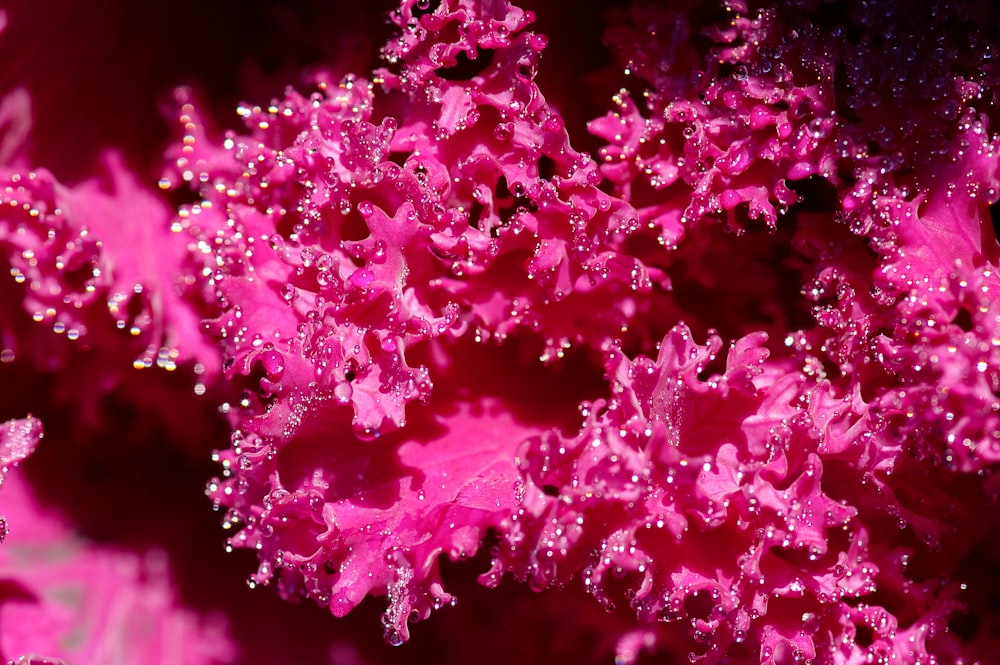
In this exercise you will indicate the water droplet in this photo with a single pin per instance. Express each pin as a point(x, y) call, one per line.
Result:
point(393, 637)
point(343, 392)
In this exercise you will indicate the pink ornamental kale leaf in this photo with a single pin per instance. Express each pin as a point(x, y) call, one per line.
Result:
point(364, 228)
point(18, 439)
point(355, 234)
point(79, 602)
point(890, 402)
point(86, 259)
